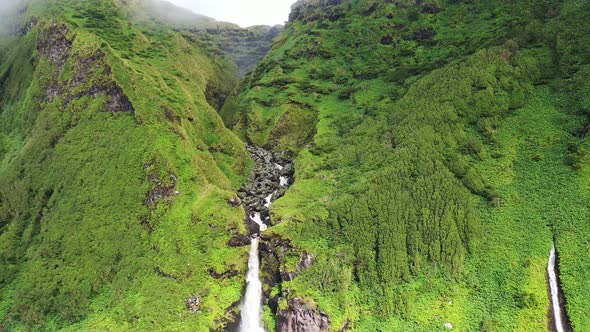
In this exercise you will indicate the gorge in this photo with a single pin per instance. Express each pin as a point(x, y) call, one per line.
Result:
point(371, 165)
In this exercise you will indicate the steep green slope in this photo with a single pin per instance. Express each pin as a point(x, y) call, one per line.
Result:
point(114, 176)
point(438, 154)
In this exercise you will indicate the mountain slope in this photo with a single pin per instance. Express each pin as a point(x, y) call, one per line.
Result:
point(115, 174)
point(245, 46)
point(429, 137)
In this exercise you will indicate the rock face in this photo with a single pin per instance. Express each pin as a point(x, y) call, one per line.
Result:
point(299, 317)
point(92, 73)
point(56, 43)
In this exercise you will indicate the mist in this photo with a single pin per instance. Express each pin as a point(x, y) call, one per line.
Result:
point(10, 15)
point(243, 13)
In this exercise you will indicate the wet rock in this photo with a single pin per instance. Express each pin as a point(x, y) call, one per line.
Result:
point(300, 316)
point(239, 240)
point(288, 276)
point(288, 170)
point(264, 182)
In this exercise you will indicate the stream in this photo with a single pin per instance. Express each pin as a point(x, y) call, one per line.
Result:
point(270, 179)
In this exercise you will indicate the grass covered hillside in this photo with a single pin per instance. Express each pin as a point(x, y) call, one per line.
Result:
point(440, 148)
point(115, 173)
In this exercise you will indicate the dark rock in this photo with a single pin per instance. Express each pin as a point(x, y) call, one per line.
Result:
point(387, 40)
point(225, 275)
point(118, 101)
point(299, 316)
point(56, 43)
point(30, 25)
point(239, 240)
point(431, 9)
point(347, 326)
point(287, 170)
point(160, 189)
point(288, 276)
point(164, 274)
point(423, 34)
point(264, 181)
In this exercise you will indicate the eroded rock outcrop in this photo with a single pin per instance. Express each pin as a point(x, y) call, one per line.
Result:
point(302, 317)
point(56, 43)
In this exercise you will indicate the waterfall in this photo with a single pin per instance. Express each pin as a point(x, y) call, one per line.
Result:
point(258, 220)
point(554, 291)
point(269, 181)
point(251, 308)
point(283, 181)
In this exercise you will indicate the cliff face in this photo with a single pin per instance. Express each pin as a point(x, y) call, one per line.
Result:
point(407, 120)
point(299, 317)
point(115, 175)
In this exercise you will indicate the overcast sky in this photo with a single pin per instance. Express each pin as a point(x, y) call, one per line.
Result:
point(242, 12)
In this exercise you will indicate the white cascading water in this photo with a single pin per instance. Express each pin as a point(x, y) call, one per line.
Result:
point(554, 291)
point(283, 181)
point(251, 308)
point(268, 201)
point(258, 220)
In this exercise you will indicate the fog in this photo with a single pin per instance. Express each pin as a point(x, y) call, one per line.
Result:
point(243, 13)
point(9, 10)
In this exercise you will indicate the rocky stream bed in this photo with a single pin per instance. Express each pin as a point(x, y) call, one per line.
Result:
point(271, 177)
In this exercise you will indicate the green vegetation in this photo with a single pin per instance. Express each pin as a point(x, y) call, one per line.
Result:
point(114, 175)
point(446, 158)
point(440, 148)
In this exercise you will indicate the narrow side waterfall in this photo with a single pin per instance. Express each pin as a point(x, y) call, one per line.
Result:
point(554, 291)
point(556, 305)
point(251, 308)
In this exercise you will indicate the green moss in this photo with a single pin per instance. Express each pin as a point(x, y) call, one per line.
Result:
point(395, 195)
point(82, 240)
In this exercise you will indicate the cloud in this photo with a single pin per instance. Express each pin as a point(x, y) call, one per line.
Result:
point(9, 10)
point(241, 12)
